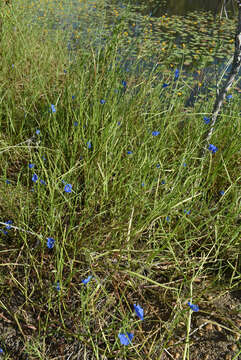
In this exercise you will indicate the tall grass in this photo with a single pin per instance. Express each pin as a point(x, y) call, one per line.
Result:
point(135, 218)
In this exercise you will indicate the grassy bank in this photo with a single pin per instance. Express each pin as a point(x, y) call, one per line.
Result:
point(107, 167)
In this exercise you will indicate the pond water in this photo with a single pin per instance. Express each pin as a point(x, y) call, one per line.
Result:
point(154, 33)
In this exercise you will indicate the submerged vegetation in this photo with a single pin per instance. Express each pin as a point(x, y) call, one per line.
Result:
point(111, 247)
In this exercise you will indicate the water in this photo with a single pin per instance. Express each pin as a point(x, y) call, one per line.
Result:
point(186, 33)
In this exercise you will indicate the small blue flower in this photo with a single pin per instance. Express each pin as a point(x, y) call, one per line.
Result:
point(168, 218)
point(176, 74)
point(53, 108)
point(42, 182)
point(12, 65)
point(8, 182)
point(73, 97)
point(212, 148)
point(118, 123)
point(8, 227)
point(123, 83)
point(68, 188)
point(126, 339)
point(76, 123)
point(43, 158)
point(65, 71)
point(142, 184)
point(206, 120)
point(1, 351)
point(139, 311)
point(58, 286)
point(163, 182)
point(193, 307)
point(129, 152)
point(229, 97)
point(158, 165)
point(89, 144)
point(35, 178)
point(102, 101)
point(155, 133)
point(31, 166)
point(187, 212)
point(165, 85)
point(50, 243)
point(4, 231)
point(184, 164)
point(221, 192)
point(85, 281)
point(37, 132)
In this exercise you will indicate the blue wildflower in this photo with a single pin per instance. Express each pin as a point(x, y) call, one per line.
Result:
point(163, 182)
point(126, 339)
point(118, 123)
point(85, 281)
point(102, 101)
point(42, 182)
point(123, 83)
point(165, 85)
point(168, 218)
point(129, 152)
point(53, 108)
point(221, 192)
point(37, 132)
point(43, 158)
point(35, 178)
point(1, 350)
point(68, 188)
point(139, 311)
point(76, 123)
point(187, 212)
point(206, 120)
point(8, 227)
point(158, 165)
point(50, 243)
point(58, 286)
point(176, 74)
point(65, 71)
point(89, 144)
point(73, 97)
point(155, 133)
point(184, 164)
point(229, 97)
point(31, 166)
point(142, 184)
point(212, 148)
point(193, 307)
point(8, 182)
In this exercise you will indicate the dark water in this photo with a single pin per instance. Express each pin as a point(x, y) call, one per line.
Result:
point(92, 24)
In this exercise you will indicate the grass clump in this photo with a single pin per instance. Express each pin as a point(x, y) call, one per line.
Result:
point(110, 212)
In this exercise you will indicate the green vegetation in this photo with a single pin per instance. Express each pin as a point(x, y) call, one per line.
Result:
point(151, 223)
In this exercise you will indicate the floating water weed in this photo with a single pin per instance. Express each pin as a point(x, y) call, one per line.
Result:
point(139, 311)
point(126, 339)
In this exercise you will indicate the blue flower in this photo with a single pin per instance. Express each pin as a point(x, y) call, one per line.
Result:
point(89, 144)
point(73, 97)
point(76, 123)
point(229, 97)
point(221, 192)
point(35, 178)
point(123, 83)
point(68, 188)
point(206, 120)
point(43, 158)
point(139, 311)
point(163, 182)
point(129, 152)
point(1, 351)
point(85, 281)
point(212, 148)
point(8, 227)
point(65, 71)
point(37, 132)
point(102, 101)
point(58, 286)
point(155, 133)
point(42, 182)
point(184, 164)
point(118, 123)
point(143, 184)
point(8, 182)
point(176, 74)
point(165, 85)
point(187, 212)
point(53, 108)
point(4, 231)
point(126, 339)
point(158, 165)
point(50, 243)
point(168, 218)
point(31, 166)
point(193, 307)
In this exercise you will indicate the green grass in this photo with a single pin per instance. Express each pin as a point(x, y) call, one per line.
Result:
point(113, 225)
